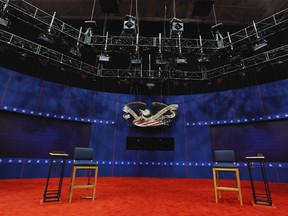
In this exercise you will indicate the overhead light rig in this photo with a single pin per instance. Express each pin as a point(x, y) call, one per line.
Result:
point(43, 21)
point(22, 44)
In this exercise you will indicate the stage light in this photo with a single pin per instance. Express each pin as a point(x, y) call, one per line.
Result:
point(89, 33)
point(181, 60)
point(216, 31)
point(5, 22)
point(203, 60)
point(260, 43)
point(136, 62)
point(150, 85)
point(48, 38)
point(159, 61)
point(104, 58)
point(129, 23)
point(75, 51)
point(129, 26)
point(176, 27)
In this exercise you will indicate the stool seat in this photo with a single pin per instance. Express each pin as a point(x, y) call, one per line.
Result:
point(83, 161)
point(226, 165)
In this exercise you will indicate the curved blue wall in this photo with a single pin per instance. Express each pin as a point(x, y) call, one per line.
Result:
point(192, 156)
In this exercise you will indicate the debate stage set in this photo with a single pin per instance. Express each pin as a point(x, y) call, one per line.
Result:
point(143, 107)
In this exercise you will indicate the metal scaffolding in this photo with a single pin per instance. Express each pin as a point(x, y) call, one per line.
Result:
point(46, 22)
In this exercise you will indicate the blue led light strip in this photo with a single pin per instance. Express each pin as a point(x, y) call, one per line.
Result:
point(56, 116)
point(238, 121)
point(42, 161)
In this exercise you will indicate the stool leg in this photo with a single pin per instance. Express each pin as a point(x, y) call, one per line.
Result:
point(215, 179)
point(239, 187)
point(95, 183)
point(72, 184)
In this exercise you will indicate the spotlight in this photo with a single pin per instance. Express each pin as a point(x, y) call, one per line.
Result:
point(75, 51)
point(5, 22)
point(216, 31)
point(159, 61)
point(48, 38)
point(136, 62)
point(260, 43)
point(176, 27)
point(91, 25)
point(129, 23)
point(150, 85)
point(203, 60)
point(104, 58)
point(181, 60)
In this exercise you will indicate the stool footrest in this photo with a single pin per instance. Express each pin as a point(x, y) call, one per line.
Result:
point(228, 188)
point(83, 186)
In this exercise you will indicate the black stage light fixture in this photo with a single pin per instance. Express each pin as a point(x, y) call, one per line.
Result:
point(90, 29)
point(259, 44)
point(48, 38)
point(5, 22)
point(104, 57)
point(260, 41)
point(181, 60)
point(176, 27)
point(75, 51)
point(159, 61)
point(129, 23)
point(136, 62)
point(203, 60)
point(216, 31)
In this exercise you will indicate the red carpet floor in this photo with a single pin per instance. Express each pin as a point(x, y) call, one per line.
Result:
point(121, 196)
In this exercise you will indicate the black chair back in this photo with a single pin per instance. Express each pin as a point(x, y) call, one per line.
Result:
point(82, 153)
point(224, 156)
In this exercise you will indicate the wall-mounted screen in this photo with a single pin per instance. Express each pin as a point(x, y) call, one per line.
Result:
point(269, 138)
point(27, 136)
point(150, 143)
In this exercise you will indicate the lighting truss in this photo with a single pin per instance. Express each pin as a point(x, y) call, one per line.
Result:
point(41, 19)
point(21, 44)
point(32, 15)
point(271, 25)
point(271, 56)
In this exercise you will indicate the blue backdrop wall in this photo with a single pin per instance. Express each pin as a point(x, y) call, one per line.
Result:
point(193, 143)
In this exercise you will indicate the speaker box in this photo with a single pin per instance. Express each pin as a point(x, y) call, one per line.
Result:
point(109, 6)
point(150, 143)
point(202, 7)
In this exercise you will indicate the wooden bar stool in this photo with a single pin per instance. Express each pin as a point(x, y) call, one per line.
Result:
point(83, 161)
point(225, 162)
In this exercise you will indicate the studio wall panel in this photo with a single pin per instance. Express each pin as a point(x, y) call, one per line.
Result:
point(274, 97)
point(247, 103)
point(220, 106)
point(54, 98)
point(80, 103)
point(22, 91)
point(196, 107)
point(5, 79)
